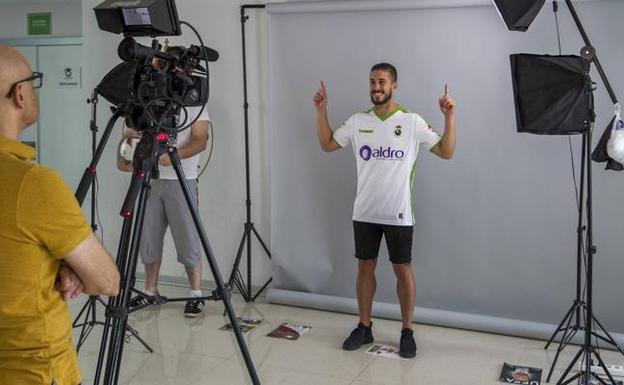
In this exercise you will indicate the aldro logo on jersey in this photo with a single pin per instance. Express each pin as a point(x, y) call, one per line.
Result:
point(381, 153)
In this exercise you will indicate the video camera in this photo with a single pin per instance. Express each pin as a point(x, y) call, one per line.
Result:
point(154, 83)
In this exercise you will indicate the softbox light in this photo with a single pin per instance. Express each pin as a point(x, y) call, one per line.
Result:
point(518, 14)
point(119, 84)
point(551, 93)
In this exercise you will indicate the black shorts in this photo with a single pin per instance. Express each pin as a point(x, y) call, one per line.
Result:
point(368, 239)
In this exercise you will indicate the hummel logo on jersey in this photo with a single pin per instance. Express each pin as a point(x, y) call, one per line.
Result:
point(366, 130)
point(382, 153)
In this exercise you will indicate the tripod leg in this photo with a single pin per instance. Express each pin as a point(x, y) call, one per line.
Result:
point(571, 379)
point(117, 309)
point(567, 316)
point(221, 289)
point(268, 253)
point(609, 339)
point(235, 275)
point(89, 174)
point(86, 310)
point(262, 289)
point(604, 367)
point(136, 335)
point(122, 256)
point(570, 366)
point(264, 246)
point(87, 325)
point(561, 344)
point(111, 375)
point(84, 307)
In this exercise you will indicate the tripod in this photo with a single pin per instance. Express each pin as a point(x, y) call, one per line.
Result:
point(89, 308)
point(236, 277)
point(153, 144)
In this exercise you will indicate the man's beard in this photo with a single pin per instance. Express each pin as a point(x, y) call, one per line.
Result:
point(381, 101)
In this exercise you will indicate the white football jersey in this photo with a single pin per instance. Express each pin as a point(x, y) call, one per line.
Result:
point(385, 151)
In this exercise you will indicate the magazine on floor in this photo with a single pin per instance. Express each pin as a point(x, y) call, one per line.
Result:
point(289, 331)
point(387, 351)
point(246, 325)
point(516, 374)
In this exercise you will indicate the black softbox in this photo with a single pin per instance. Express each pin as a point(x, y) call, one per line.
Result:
point(119, 84)
point(551, 93)
point(518, 14)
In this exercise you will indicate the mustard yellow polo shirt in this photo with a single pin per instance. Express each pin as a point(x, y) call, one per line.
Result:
point(40, 223)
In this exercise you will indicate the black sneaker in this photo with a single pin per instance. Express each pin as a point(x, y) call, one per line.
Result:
point(407, 347)
point(193, 307)
point(359, 336)
point(144, 300)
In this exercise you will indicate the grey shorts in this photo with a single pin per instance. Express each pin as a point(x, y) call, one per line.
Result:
point(166, 207)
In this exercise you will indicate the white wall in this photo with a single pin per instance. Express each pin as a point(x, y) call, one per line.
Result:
point(222, 188)
point(66, 19)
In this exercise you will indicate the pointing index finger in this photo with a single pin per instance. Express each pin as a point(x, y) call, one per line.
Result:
point(446, 89)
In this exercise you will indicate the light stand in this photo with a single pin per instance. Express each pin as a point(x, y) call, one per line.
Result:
point(573, 319)
point(89, 308)
point(236, 277)
point(587, 349)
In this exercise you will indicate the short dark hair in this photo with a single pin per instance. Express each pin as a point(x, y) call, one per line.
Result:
point(388, 68)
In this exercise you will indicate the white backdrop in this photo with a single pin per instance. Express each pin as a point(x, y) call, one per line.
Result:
point(495, 234)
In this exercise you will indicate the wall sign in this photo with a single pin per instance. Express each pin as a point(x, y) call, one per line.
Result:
point(67, 77)
point(40, 23)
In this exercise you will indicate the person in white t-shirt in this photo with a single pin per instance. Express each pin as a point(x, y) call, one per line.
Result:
point(385, 142)
point(166, 207)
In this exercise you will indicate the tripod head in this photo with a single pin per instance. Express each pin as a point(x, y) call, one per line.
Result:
point(153, 144)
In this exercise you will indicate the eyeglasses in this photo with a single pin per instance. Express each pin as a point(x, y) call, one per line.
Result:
point(36, 78)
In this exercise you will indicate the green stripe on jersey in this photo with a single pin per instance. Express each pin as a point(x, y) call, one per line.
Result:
point(383, 118)
point(411, 187)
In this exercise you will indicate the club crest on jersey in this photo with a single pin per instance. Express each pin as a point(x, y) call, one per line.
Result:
point(381, 153)
point(398, 131)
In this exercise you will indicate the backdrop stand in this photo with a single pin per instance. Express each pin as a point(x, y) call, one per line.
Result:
point(236, 277)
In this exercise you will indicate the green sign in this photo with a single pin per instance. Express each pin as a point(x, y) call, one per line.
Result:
point(40, 23)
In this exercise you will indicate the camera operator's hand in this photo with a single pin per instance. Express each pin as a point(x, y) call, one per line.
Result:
point(68, 283)
point(164, 160)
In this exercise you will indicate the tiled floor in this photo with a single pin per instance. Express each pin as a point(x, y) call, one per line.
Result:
point(193, 351)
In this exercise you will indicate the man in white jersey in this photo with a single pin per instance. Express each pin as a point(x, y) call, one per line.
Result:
point(166, 207)
point(385, 143)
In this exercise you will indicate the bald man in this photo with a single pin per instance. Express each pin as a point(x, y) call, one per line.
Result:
point(48, 252)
